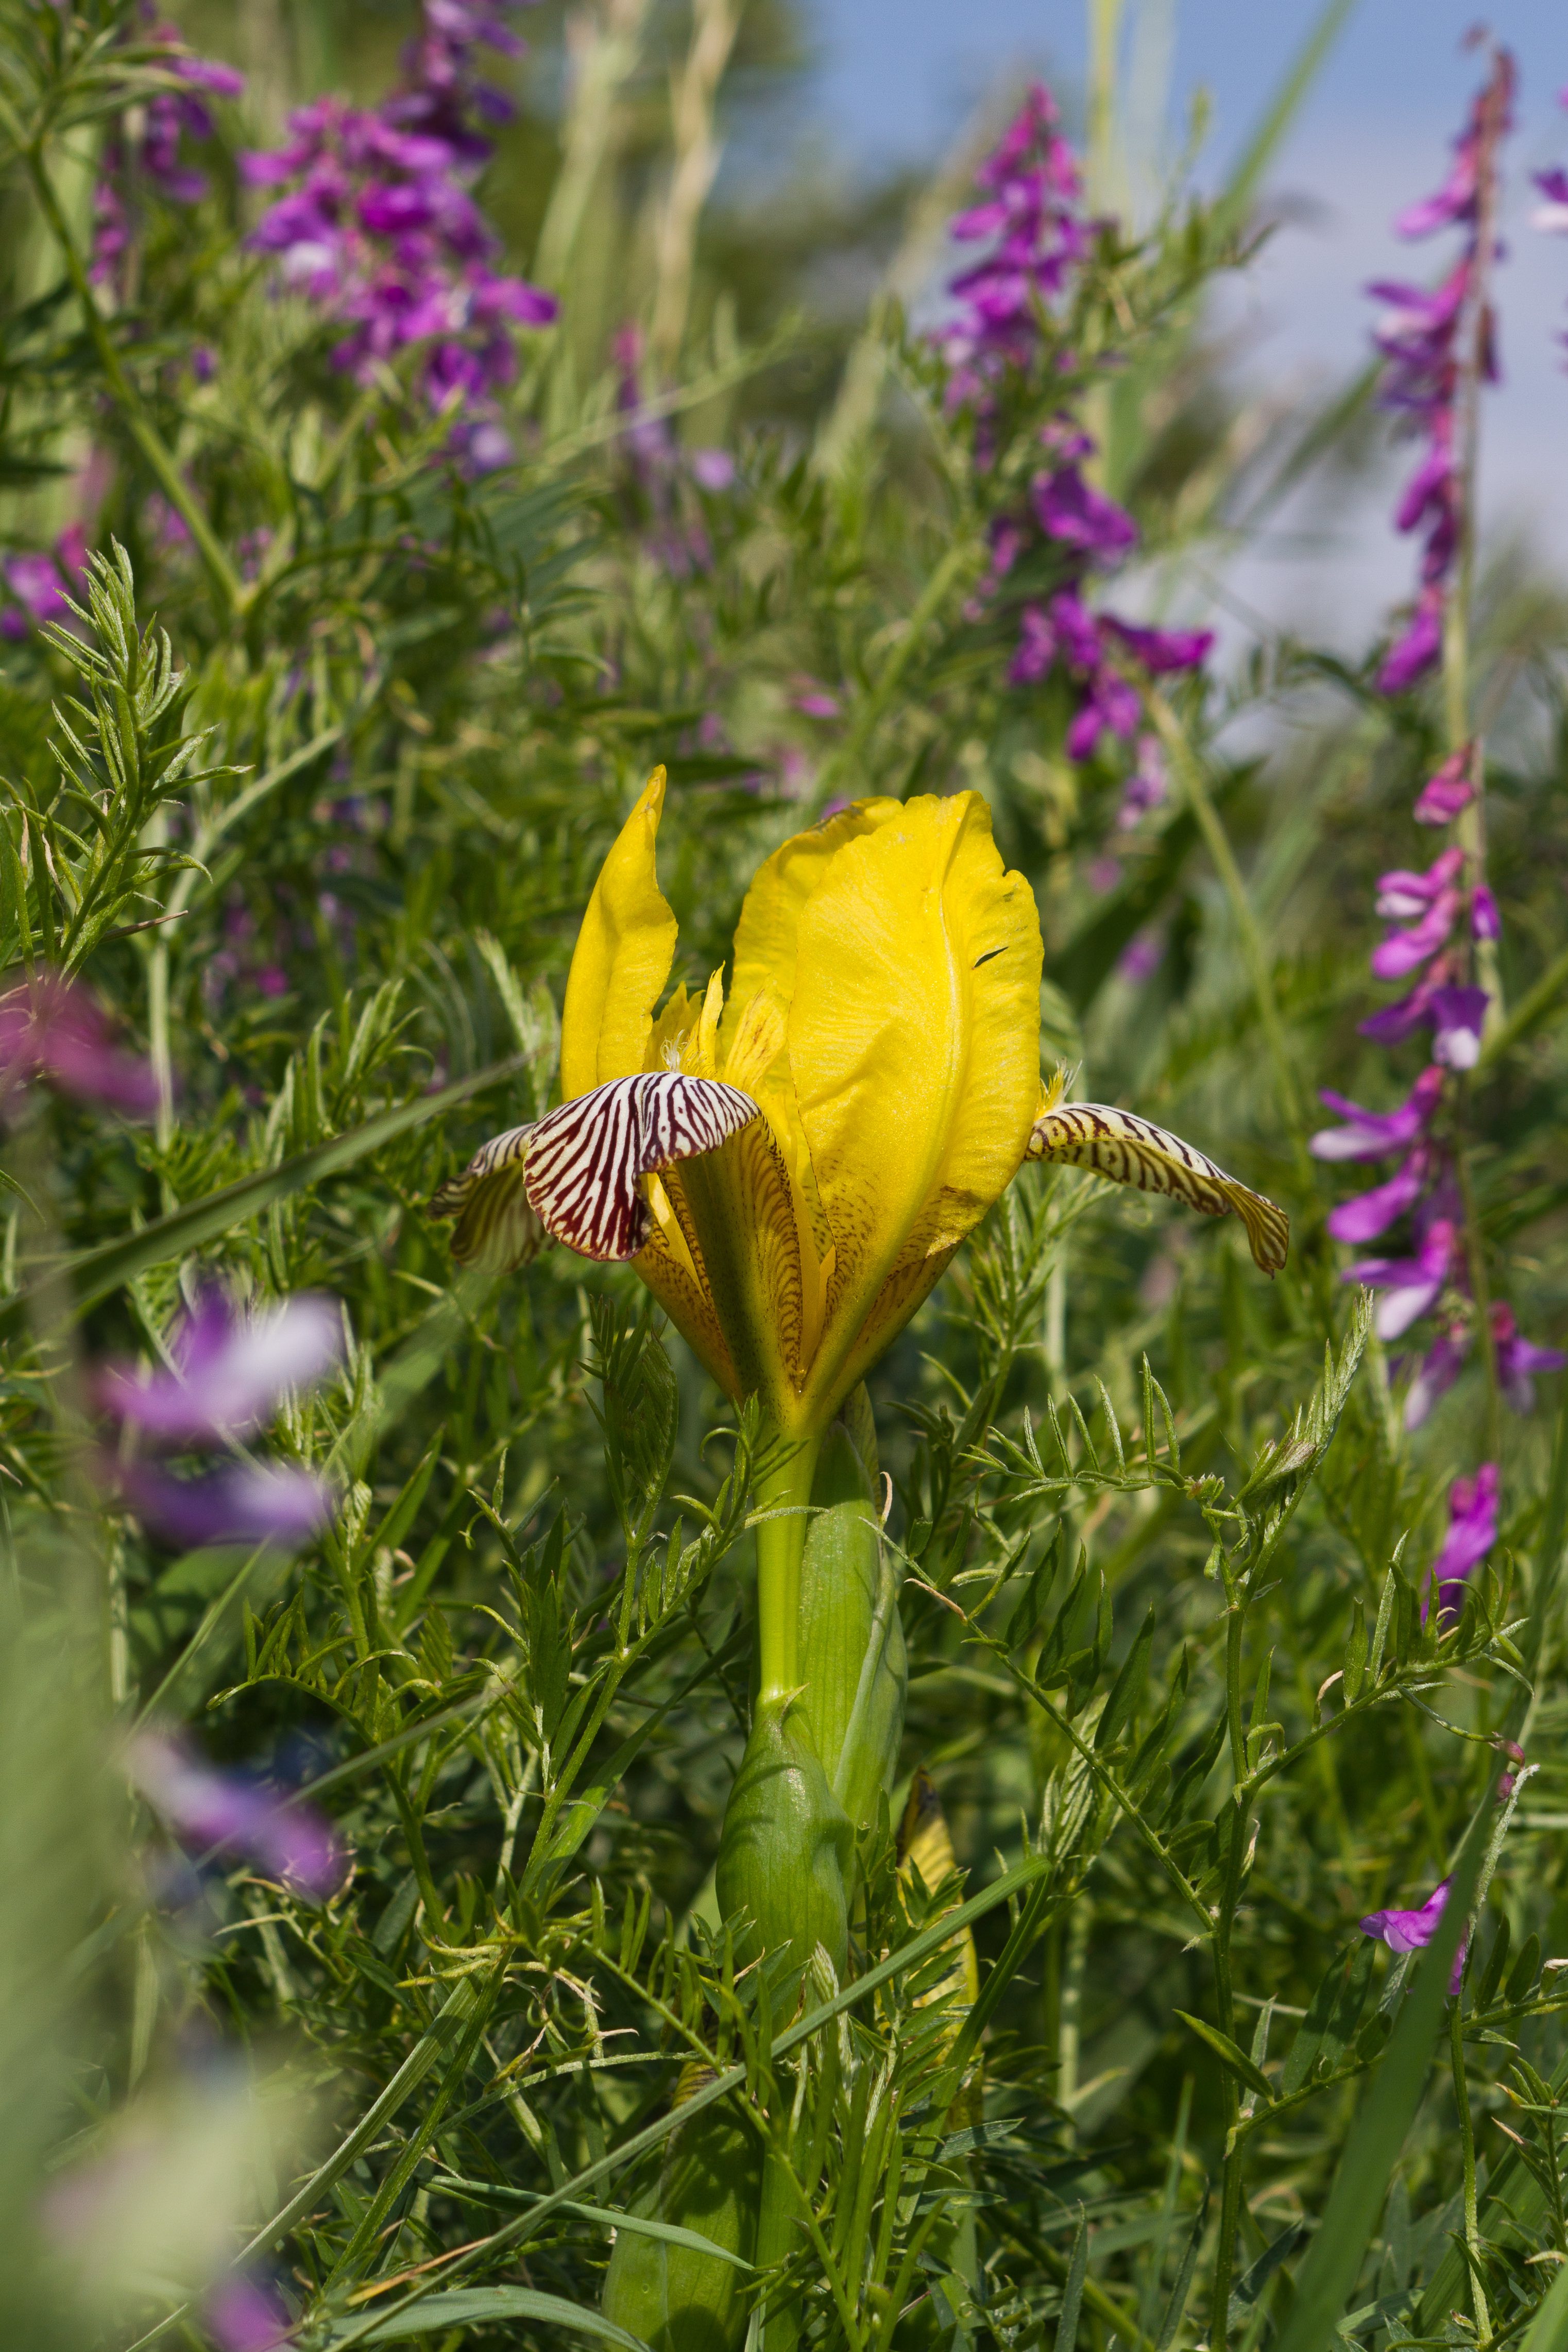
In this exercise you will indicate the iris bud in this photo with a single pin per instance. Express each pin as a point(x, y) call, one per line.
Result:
point(673, 2298)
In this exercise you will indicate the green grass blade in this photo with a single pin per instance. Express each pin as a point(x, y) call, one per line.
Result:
point(97, 1273)
point(1548, 2328)
point(473, 2306)
point(1327, 2277)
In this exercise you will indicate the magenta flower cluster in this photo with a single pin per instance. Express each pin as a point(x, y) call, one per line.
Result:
point(51, 1028)
point(148, 146)
point(380, 227)
point(1419, 334)
point(41, 583)
point(1412, 1931)
point(225, 1377)
point(234, 1813)
point(1031, 213)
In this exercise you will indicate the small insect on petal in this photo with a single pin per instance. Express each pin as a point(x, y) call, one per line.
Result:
point(497, 1232)
point(587, 1160)
point(1131, 1151)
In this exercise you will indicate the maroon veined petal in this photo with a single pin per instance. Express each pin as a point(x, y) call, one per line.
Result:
point(586, 1159)
point(497, 1232)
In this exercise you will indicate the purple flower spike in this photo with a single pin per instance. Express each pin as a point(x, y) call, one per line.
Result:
point(205, 1808)
point(1414, 1284)
point(1163, 651)
point(1472, 1531)
point(1447, 791)
point(52, 1028)
point(229, 1372)
point(1071, 512)
point(1372, 1135)
point(279, 1504)
point(1458, 1017)
point(1517, 1360)
point(1412, 1931)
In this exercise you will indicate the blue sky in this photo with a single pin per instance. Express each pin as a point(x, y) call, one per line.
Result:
point(897, 80)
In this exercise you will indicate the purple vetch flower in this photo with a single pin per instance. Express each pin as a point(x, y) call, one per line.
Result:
point(1448, 791)
point(713, 470)
point(1519, 1360)
point(1032, 187)
point(1073, 513)
point(1392, 1024)
point(1435, 897)
point(815, 702)
point(52, 1028)
point(383, 232)
point(1146, 787)
point(1371, 1214)
point(1472, 1531)
point(1458, 1016)
point(1485, 923)
point(1374, 1135)
point(1139, 958)
point(205, 1808)
point(229, 1370)
point(1419, 333)
point(1414, 1285)
point(1163, 651)
point(242, 2315)
point(146, 145)
point(1412, 1931)
point(280, 1505)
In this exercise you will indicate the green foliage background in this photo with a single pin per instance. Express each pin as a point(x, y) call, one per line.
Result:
point(1146, 1521)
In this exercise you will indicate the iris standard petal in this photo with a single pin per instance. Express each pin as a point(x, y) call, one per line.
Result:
point(913, 1044)
point(767, 935)
point(622, 959)
point(1132, 1150)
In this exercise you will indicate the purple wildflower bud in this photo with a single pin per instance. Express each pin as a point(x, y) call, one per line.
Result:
point(1517, 1360)
point(1394, 1023)
point(1372, 1135)
point(1371, 1214)
point(1073, 512)
point(815, 702)
point(229, 1371)
point(1414, 1284)
point(1036, 650)
point(1404, 952)
point(1412, 1931)
point(1485, 921)
point(1436, 1373)
point(279, 1504)
point(1140, 960)
point(1458, 1016)
point(204, 1808)
point(1110, 705)
point(1472, 1531)
point(51, 1026)
point(1401, 895)
point(1447, 791)
point(1147, 785)
point(241, 2315)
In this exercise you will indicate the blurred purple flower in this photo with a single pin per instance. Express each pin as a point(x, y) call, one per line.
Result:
point(1030, 209)
point(280, 1504)
point(240, 2314)
point(1372, 1135)
point(1551, 218)
point(1418, 649)
point(1472, 1531)
point(1163, 651)
point(1448, 791)
point(1517, 1360)
point(1436, 1373)
point(1073, 512)
point(51, 1027)
point(1485, 923)
point(229, 1371)
point(1414, 1285)
point(1146, 787)
point(815, 702)
point(1139, 958)
point(1412, 1931)
point(1392, 1024)
point(713, 470)
point(41, 583)
point(146, 145)
point(205, 1808)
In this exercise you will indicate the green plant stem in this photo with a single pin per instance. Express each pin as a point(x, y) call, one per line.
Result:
point(1225, 1993)
point(1527, 1014)
point(1467, 2153)
point(782, 1494)
point(1189, 774)
point(231, 590)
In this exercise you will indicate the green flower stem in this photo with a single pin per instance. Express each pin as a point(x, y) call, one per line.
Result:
point(231, 590)
point(1467, 2151)
point(783, 1493)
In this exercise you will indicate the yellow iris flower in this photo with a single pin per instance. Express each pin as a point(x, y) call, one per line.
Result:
point(791, 1168)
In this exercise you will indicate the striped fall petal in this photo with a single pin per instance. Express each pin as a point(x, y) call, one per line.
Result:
point(1127, 1149)
point(577, 1172)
